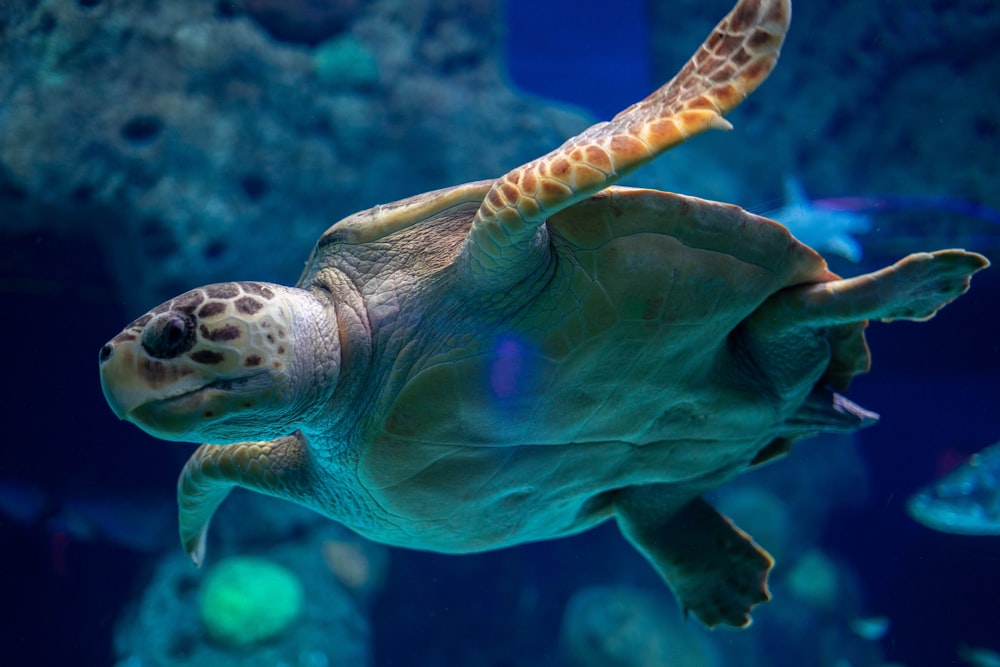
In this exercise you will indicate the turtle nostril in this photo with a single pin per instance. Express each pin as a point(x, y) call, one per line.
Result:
point(106, 352)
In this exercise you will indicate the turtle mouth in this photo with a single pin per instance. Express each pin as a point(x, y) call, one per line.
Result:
point(222, 385)
point(176, 416)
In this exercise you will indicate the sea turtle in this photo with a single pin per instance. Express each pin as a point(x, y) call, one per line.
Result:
point(523, 358)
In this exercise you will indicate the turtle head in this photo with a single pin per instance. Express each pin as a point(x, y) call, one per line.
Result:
point(223, 363)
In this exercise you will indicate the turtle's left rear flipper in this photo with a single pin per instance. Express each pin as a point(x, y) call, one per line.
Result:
point(914, 288)
point(713, 568)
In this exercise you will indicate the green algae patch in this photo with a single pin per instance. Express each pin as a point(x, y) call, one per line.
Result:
point(245, 600)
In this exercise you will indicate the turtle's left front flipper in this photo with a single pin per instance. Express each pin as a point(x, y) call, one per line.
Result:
point(274, 467)
point(735, 58)
point(713, 568)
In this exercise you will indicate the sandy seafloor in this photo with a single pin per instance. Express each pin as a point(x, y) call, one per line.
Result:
point(72, 575)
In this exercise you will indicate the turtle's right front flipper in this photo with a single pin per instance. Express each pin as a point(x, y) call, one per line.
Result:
point(275, 467)
point(735, 58)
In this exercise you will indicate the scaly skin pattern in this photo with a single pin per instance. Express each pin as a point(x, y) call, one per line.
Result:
point(735, 59)
point(520, 359)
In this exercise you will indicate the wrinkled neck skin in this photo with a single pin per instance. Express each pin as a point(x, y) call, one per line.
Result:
point(341, 335)
point(295, 395)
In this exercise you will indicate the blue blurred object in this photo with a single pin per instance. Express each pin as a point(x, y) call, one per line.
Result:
point(22, 501)
point(895, 203)
point(829, 224)
point(140, 521)
point(824, 229)
point(966, 501)
point(978, 656)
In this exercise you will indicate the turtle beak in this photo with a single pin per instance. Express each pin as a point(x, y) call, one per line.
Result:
point(131, 378)
point(116, 382)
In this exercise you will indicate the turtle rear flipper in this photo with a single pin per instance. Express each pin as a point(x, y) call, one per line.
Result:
point(713, 568)
point(735, 58)
point(914, 288)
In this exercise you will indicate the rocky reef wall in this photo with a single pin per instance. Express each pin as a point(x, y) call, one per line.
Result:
point(199, 141)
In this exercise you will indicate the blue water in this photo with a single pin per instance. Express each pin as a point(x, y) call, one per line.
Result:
point(68, 580)
point(580, 55)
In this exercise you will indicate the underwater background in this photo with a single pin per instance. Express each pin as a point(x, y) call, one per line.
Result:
point(147, 147)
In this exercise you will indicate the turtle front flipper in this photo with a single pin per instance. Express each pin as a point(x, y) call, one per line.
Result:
point(713, 568)
point(275, 467)
point(732, 62)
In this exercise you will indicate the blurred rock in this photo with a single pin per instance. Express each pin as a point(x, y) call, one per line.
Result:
point(629, 627)
point(814, 579)
point(361, 566)
point(346, 62)
point(163, 627)
point(302, 21)
point(194, 147)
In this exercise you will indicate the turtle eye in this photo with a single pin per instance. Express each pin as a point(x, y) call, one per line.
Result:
point(169, 334)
